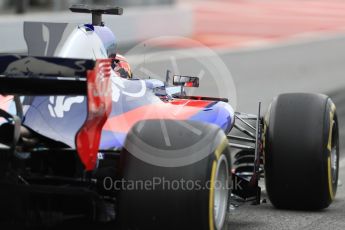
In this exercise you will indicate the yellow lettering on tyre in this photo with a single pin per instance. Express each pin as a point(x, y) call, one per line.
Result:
point(219, 150)
point(211, 201)
point(329, 148)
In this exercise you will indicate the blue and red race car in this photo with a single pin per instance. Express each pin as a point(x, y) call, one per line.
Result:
point(81, 137)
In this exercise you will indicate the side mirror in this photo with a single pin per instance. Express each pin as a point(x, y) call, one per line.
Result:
point(185, 81)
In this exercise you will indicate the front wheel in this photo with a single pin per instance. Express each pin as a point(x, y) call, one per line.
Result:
point(301, 149)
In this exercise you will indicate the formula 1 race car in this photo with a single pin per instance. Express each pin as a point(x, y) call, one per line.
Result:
point(78, 141)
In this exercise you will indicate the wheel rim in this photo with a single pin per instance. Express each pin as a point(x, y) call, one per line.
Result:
point(334, 164)
point(221, 192)
point(334, 153)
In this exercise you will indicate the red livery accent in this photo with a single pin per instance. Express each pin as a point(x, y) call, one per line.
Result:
point(99, 107)
point(174, 110)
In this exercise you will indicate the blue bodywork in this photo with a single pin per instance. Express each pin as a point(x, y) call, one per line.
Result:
point(60, 117)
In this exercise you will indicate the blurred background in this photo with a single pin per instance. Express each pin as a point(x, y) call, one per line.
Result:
point(217, 24)
point(22, 6)
point(268, 46)
point(272, 45)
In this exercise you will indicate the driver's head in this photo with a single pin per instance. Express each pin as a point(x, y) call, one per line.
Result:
point(122, 67)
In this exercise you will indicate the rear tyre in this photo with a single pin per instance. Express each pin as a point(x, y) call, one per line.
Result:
point(301, 151)
point(190, 196)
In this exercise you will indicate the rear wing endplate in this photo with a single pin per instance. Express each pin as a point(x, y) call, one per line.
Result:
point(24, 75)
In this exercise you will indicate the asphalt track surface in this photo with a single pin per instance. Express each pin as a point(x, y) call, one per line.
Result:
point(259, 75)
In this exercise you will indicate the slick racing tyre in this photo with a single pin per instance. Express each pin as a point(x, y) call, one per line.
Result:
point(301, 148)
point(182, 184)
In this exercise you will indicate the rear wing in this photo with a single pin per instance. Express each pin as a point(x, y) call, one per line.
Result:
point(24, 75)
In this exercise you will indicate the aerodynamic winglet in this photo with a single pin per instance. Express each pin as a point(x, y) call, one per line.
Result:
point(97, 12)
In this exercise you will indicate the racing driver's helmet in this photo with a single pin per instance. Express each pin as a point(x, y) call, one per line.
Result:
point(122, 67)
